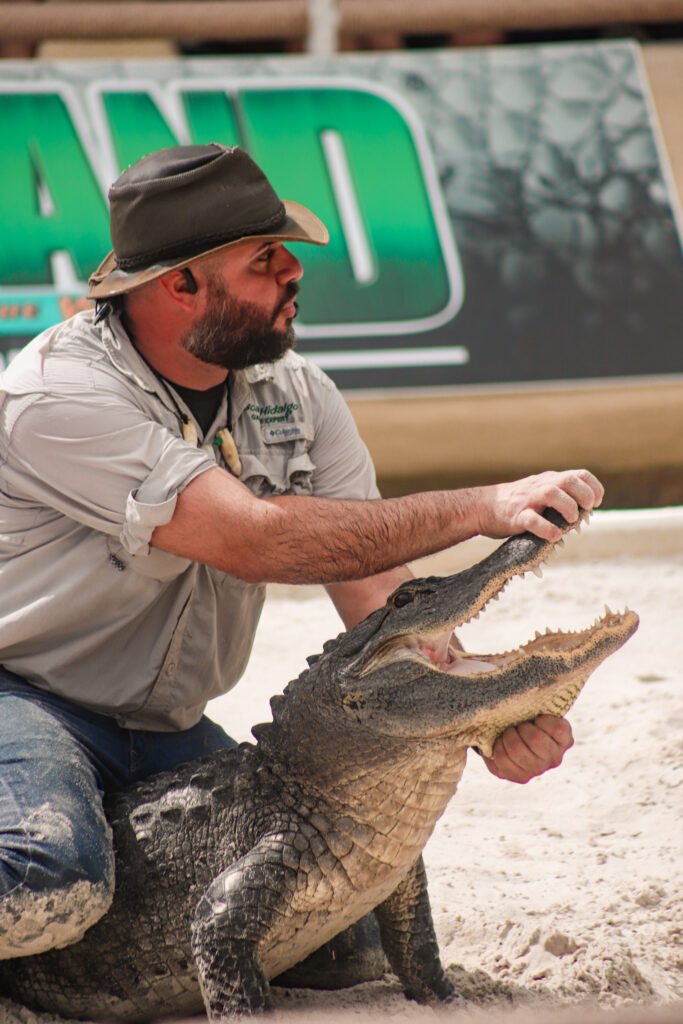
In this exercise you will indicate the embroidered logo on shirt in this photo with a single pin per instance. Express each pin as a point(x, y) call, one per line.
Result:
point(287, 432)
point(272, 413)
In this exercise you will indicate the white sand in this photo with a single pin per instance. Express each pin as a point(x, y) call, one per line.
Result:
point(567, 889)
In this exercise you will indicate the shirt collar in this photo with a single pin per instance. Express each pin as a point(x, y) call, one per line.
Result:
point(124, 355)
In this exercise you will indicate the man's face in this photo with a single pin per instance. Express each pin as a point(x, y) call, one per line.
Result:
point(249, 308)
point(234, 334)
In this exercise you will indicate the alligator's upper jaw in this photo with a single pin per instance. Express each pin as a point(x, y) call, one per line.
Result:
point(519, 555)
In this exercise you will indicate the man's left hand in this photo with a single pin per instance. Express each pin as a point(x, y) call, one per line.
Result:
point(529, 749)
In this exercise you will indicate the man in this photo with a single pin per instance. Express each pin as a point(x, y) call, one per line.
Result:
point(161, 459)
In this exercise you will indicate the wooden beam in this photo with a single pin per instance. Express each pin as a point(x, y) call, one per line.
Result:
point(362, 17)
point(630, 435)
point(234, 20)
point(287, 19)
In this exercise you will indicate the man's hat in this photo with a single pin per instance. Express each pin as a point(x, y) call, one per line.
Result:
point(176, 205)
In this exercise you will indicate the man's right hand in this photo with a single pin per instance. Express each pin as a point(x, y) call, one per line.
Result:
point(511, 508)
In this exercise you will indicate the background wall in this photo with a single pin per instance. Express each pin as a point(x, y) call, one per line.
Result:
point(464, 425)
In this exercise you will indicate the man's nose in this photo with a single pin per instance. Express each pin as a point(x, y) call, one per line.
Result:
point(288, 267)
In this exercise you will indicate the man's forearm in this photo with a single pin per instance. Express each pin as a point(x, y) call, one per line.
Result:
point(327, 541)
point(301, 539)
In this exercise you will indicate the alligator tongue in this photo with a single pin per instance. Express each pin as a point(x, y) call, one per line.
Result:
point(436, 648)
point(467, 666)
point(447, 660)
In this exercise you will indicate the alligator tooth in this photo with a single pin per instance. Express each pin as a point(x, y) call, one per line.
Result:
point(537, 571)
point(608, 610)
point(560, 542)
point(537, 635)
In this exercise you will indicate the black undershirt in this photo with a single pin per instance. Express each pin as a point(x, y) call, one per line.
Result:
point(203, 405)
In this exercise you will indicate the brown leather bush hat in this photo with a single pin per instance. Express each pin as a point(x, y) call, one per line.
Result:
point(177, 205)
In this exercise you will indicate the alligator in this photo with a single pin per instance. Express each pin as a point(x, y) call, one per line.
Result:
point(233, 868)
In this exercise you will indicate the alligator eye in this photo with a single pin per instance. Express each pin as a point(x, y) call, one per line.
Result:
point(402, 598)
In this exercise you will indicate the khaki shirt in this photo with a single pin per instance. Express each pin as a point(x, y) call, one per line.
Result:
point(92, 459)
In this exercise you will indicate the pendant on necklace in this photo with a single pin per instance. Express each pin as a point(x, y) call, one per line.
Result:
point(229, 451)
point(190, 433)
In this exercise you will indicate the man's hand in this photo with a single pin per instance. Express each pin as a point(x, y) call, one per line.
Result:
point(517, 506)
point(529, 749)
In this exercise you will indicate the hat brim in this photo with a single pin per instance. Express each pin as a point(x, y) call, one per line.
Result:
point(301, 225)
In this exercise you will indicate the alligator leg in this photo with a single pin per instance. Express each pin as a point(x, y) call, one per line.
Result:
point(235, 913)
point(407, 930)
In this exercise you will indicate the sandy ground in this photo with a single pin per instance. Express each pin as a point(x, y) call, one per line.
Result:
point(567, 890)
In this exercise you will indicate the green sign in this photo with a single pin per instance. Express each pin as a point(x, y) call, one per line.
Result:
point(355, 155)
point(540, 162)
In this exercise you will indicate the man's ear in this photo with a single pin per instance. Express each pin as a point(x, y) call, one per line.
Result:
point(181, 286)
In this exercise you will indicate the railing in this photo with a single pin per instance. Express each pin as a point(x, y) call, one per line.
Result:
point(425, 16)
point(318, 24)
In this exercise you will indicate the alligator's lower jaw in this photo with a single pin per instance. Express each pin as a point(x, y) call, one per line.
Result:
point(556, 700)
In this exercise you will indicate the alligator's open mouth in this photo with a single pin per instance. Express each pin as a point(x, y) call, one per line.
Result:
point(474, 697)
point(494, 691)
point(435, 645)
point(439, 652)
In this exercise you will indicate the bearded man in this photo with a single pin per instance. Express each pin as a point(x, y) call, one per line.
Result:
point(163, 457)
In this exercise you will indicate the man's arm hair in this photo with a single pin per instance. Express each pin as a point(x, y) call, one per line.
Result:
point(301, 539)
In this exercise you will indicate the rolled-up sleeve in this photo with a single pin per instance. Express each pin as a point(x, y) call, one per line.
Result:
point(141, 521)
point(104, 464)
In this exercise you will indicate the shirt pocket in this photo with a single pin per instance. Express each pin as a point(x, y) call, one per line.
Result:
point(300, 474)
point(281, 472)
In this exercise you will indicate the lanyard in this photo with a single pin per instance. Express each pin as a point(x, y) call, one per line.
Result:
point(224, 439)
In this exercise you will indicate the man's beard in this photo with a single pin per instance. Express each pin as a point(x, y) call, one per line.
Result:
point(236, 334)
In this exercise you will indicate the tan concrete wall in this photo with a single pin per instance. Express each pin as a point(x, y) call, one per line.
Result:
point(631, 435)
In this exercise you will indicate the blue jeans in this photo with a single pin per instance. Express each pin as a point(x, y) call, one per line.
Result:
point(57, 760)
